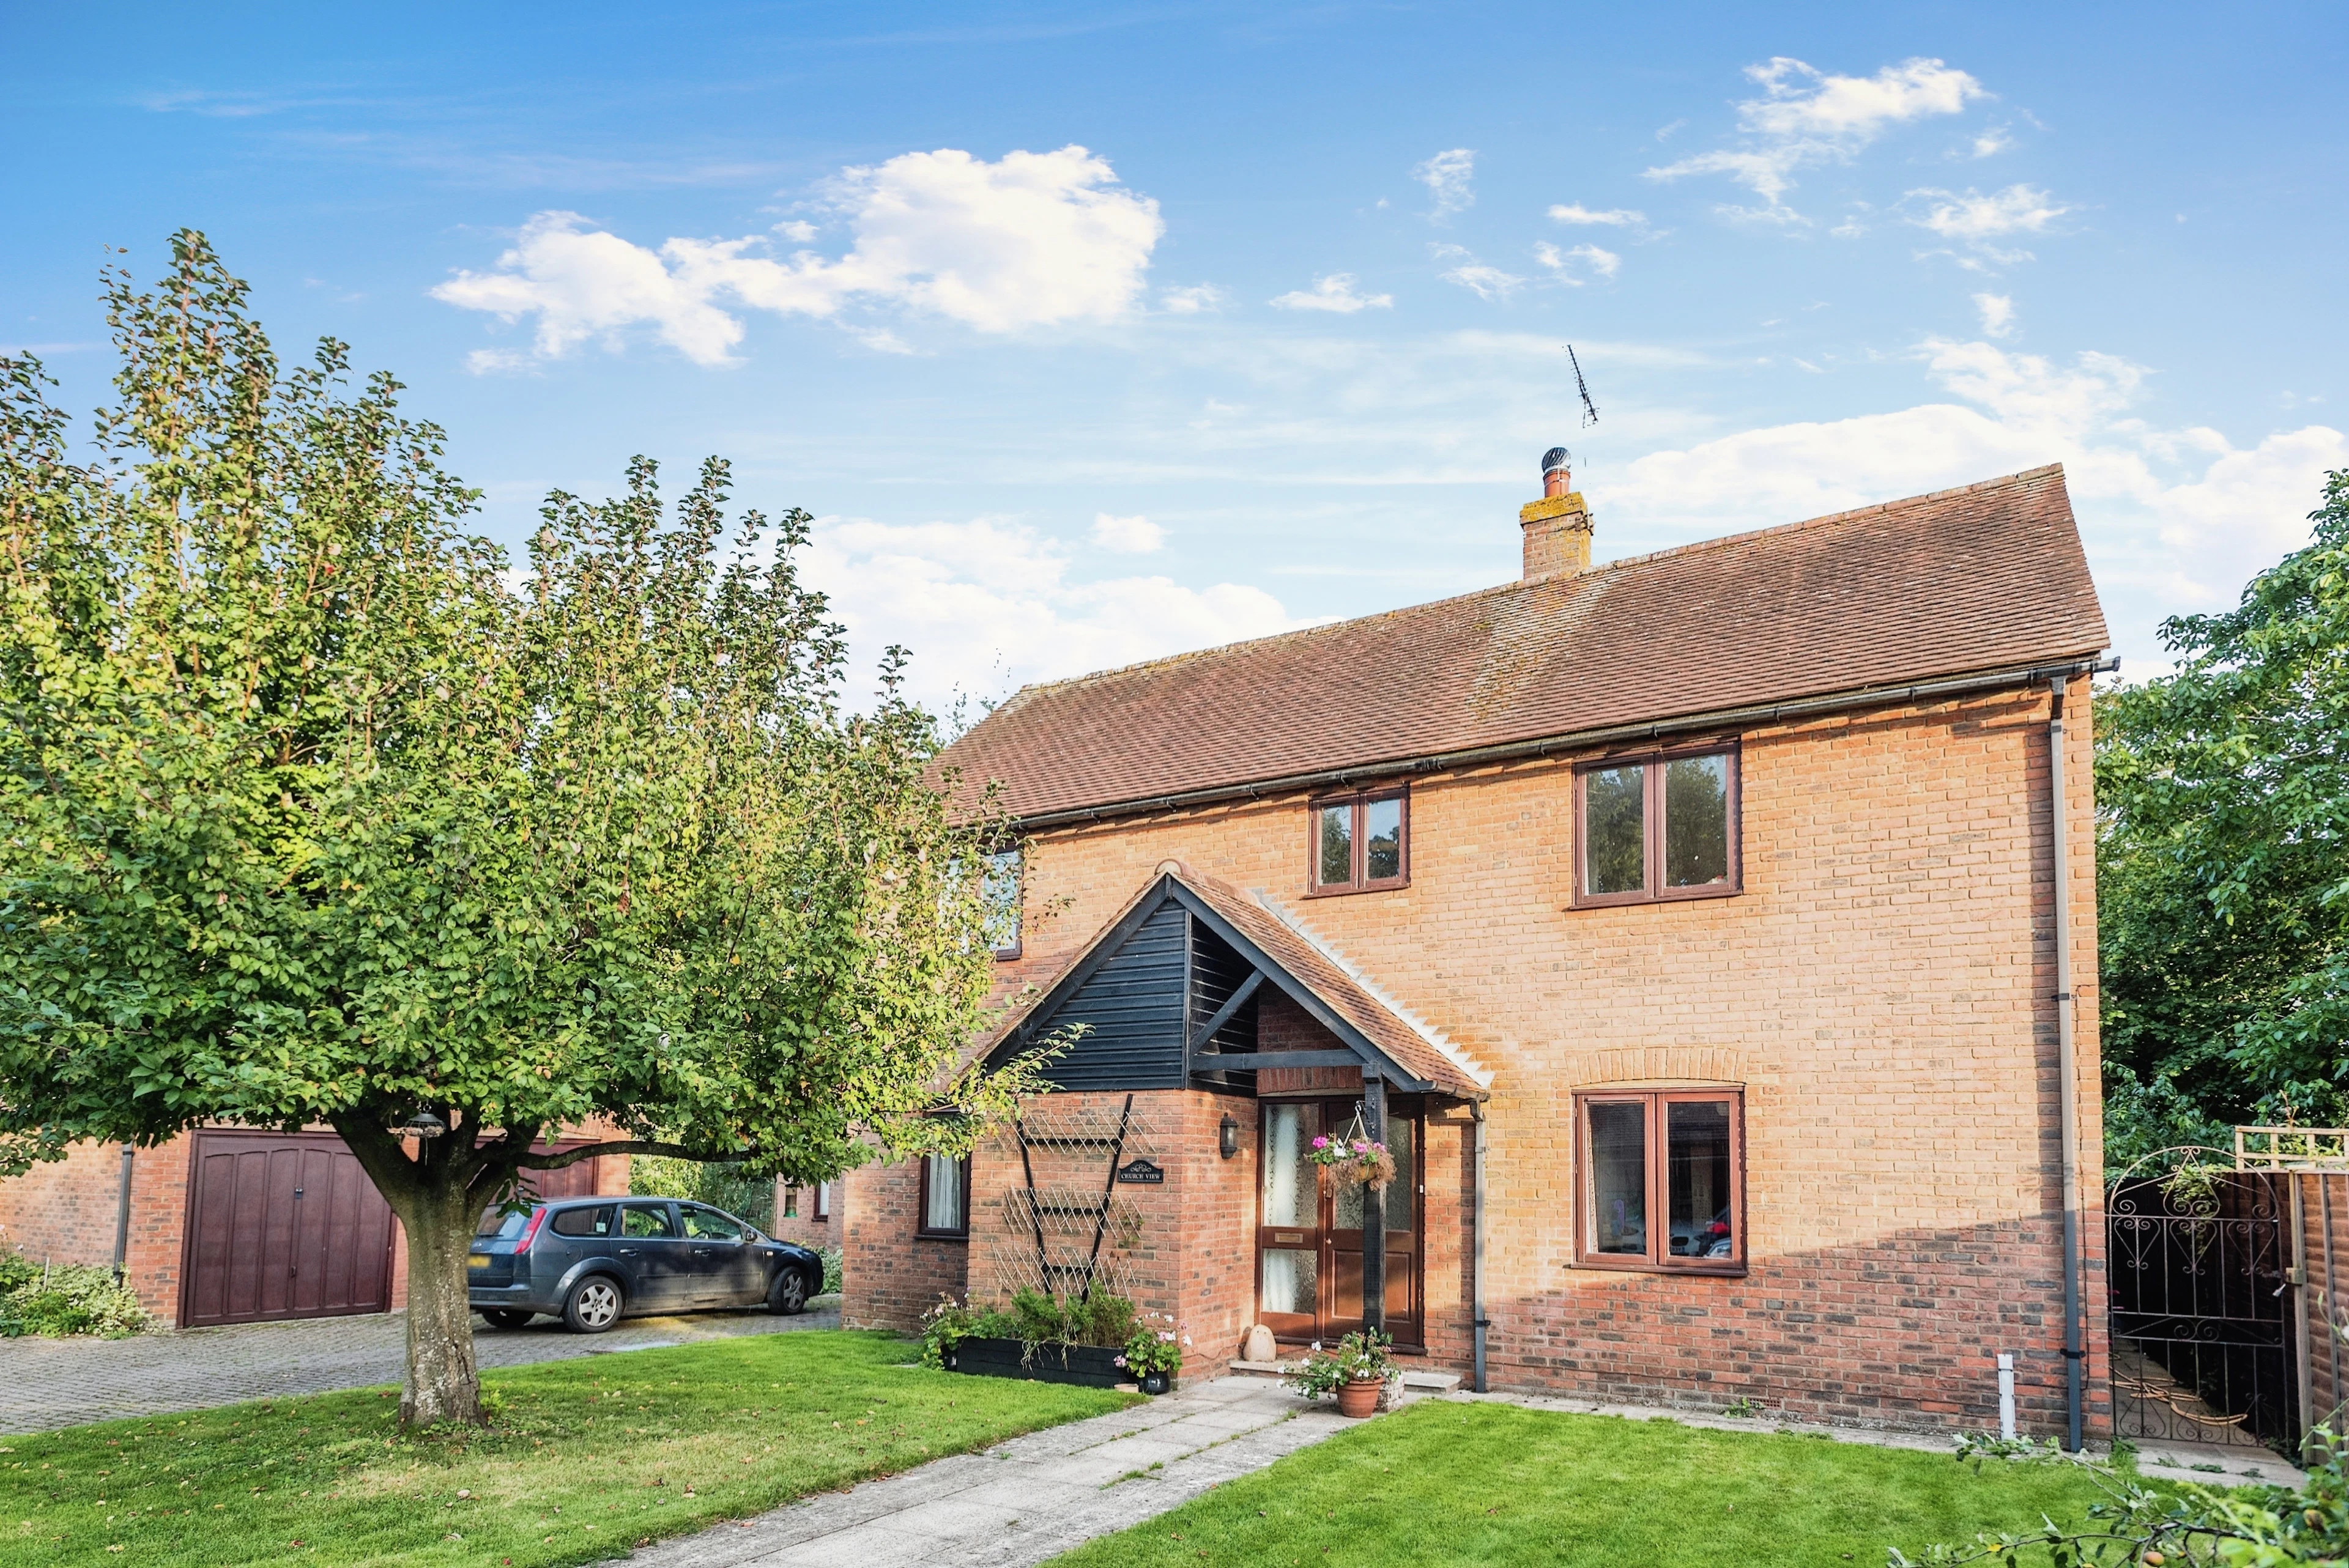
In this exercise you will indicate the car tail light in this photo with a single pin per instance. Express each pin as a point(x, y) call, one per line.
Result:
point(530, 1232)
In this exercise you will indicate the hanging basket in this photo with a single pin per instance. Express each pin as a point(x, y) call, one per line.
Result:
point(1354, 1156)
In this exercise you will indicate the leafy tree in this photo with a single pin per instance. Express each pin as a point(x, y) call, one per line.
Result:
point(2224, 859)
point(311, 817)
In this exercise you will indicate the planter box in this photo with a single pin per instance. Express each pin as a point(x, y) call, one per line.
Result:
point(1087, 1365)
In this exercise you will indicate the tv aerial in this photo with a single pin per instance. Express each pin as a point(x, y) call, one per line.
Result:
point(1589, 409)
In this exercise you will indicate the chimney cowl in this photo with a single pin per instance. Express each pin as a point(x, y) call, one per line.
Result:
point(1555, 457)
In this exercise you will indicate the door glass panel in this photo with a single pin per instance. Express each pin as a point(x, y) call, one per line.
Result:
point(1383, 839)
point(1619, 1177)
point(1345, 1202)
point(1290, 1197)
point(639, 1220)
point(1402, 1193)
point(1698, 1147)
point(1615, 830)
point(1696, 821)
point(1334, 840)
point(1291, 1280)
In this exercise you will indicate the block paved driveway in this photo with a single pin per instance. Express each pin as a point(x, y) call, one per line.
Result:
point(50, 1383)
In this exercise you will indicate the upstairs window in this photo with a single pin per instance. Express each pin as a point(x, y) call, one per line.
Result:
point(1362, 842)
point(1003, 896)
point(1655, 828)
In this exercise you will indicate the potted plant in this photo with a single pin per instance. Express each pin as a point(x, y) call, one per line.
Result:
point(1357, 1372)
point(1153, 1356)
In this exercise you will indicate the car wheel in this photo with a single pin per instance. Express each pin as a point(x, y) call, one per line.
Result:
point(594, 1305)
point(788, 1297)
point(506, 1316)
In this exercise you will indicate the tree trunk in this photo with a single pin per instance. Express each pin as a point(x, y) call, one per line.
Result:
point(437, 1196)
point(443, 1383)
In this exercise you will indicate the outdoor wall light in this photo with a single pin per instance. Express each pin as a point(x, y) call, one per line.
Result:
point(1228, 1136)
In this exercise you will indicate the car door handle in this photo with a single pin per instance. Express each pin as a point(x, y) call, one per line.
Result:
point(627, 1252)
point(701, 1252)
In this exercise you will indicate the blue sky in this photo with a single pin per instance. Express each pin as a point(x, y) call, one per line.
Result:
point(1091, 332)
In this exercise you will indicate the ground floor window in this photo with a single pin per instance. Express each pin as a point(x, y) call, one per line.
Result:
point(1661, 1179)
point(946, 1196)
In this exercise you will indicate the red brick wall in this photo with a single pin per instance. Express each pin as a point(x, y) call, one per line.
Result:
point(891, 1275)
point(1880, 989)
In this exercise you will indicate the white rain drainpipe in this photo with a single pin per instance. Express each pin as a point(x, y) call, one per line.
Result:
point(2067, 1090)
point(2006, 1395)
point(1477, 1264)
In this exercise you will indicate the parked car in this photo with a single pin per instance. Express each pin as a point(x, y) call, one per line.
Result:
point(592, 1261)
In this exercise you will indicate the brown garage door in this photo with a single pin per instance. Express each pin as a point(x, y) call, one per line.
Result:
point(282, 1226)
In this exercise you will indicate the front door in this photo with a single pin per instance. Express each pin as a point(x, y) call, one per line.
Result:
point(1309, 1226)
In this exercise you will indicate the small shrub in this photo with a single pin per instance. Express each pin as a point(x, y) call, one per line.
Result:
point(831, 1271)
point(68, 1299)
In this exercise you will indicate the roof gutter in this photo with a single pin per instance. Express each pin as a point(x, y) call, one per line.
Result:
point(1580, 739)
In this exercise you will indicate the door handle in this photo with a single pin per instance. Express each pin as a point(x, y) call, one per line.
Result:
point(627, 1252)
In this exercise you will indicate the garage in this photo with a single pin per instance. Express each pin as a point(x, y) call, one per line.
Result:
point(281, 1225)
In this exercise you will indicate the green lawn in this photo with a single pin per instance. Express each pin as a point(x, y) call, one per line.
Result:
point(1441, 1482)
point(585, 1458)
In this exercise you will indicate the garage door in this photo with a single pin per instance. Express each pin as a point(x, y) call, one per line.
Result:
point(282, 1226)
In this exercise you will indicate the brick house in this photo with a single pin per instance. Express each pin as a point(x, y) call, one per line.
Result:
point(1691, 927)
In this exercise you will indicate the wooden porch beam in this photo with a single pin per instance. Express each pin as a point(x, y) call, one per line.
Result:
point(1232, 1005)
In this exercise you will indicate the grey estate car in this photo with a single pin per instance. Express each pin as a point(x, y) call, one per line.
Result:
point(592, 1261)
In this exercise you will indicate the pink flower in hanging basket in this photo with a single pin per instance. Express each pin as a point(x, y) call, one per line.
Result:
point(1321, 1143)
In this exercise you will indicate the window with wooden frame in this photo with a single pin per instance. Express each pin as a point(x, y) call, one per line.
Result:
point(946, 1197)
point(1661, 1179)
point(1361, 843)
point(1003, 902)
point(1663, 826)
point(790, 1202)
point(821, 1208)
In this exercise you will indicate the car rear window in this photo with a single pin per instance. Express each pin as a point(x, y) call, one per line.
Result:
point(592, 1222)
point(501, 1224)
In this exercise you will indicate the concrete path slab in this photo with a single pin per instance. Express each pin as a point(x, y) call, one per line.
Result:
point(47, 1383)
point(1029, 1499)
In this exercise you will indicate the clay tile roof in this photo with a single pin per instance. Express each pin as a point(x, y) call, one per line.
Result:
point(1353, 997)
point(1964, 581)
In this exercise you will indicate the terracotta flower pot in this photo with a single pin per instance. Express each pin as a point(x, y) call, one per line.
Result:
point(1359, 1399)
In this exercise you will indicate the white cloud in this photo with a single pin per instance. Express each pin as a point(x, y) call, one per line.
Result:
point(1192, 299)
point(1620, 217)
point(1127, 535)
point(2174, 519)
point(1601, 262)
point(1485, 283)
point(1997, 314)
point(1993, 142)
point(796, 231)
point(1446, 176)
point(1806, 115)
point(1031, 240)
point(988, 603)
point(1974, 219)
point(1333, 292)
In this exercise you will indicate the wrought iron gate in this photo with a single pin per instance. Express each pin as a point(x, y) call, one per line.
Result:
point(2199, 1269)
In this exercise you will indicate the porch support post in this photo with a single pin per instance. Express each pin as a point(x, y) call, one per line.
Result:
point(1374, 1209)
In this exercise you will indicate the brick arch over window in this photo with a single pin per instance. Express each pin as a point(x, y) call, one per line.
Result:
point(1709, 1064)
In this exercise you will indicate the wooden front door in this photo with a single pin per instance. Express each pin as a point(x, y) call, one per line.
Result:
point(1309, 1227)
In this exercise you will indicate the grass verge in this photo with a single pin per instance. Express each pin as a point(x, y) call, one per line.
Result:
point(584, 1459)
point(1439, 1482)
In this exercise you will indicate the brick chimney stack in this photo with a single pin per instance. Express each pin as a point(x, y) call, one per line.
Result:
point(1557, 526)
